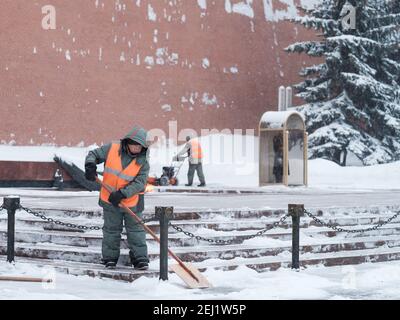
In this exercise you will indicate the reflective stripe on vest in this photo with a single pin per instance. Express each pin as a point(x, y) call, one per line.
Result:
point(195, 150)
point(117, 178)
point(119, 174)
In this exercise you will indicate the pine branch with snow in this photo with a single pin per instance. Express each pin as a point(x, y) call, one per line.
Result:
point(353, 96)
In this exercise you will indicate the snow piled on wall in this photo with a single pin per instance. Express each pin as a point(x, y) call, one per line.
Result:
point(243, 7)
point(202, 4)
point(246, 8)
point(152, 16)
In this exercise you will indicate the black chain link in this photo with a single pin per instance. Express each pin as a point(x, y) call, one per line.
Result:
point(60, 223)
point(339, 229)
point(227, 242)
point(72, 225)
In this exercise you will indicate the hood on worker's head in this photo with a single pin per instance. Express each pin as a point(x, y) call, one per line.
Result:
point(139, 135)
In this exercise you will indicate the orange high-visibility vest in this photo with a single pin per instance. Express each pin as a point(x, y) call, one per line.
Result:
point(195, 150)
point(118, 178)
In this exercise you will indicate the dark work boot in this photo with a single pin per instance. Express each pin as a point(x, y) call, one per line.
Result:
point(188, 185)
point(202, 185)
point(141, 263)
point(109, 264)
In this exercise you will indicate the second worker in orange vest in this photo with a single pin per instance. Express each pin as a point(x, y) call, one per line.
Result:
point(195, 154)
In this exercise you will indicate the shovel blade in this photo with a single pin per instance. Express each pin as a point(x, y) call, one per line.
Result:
point(188, 279)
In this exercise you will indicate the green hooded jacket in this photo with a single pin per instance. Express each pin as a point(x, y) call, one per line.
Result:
point(99, 155)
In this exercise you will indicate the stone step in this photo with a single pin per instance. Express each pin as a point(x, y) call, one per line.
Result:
point(199, 253)
point(211, 190)
point(270, 263)
point(232, 213)
point(248, 224)
point(98, 214)
point(215, 224)
point(276, 213)
point(179, 213)
point(352, 257)
point(90, 269)
point(94, 238)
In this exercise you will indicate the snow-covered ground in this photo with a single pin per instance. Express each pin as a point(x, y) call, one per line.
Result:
point(232, 161)
point(367, 281)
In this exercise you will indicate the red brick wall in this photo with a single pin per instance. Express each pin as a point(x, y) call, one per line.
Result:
point(81, 82)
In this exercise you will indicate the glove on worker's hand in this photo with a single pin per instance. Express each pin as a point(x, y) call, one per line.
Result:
point(115, 198)
point(90, 171)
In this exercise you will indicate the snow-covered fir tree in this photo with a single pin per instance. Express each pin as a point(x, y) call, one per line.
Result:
point(353, 96)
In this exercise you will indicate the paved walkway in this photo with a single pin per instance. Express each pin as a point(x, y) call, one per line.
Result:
point(310, 198)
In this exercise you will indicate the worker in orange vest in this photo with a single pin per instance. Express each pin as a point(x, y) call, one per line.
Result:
point(195, 154)
point(126, 170)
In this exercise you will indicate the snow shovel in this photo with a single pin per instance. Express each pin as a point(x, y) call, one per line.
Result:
point(188, 273)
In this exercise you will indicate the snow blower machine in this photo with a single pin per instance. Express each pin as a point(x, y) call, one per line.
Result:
point(169, 174)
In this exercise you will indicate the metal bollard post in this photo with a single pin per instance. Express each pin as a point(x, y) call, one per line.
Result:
point(164, 214)
point(11, 203)
point(296, 210)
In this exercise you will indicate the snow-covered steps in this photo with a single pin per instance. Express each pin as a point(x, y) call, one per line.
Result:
point(230, 213)
point(33, 223)
point(243, 213)
point(90, 269)
point(94, 238)
point(250, 249)
point(218, 224)
point(180, 214)
point(325, 259)
point(44, 242)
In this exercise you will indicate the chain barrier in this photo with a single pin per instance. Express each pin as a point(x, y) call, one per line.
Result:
point(209, 240)
point(227, 242)
point(72, 225)
point(60, 223)
point(339, 229)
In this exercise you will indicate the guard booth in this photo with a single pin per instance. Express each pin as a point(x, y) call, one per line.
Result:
point(283, 148)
